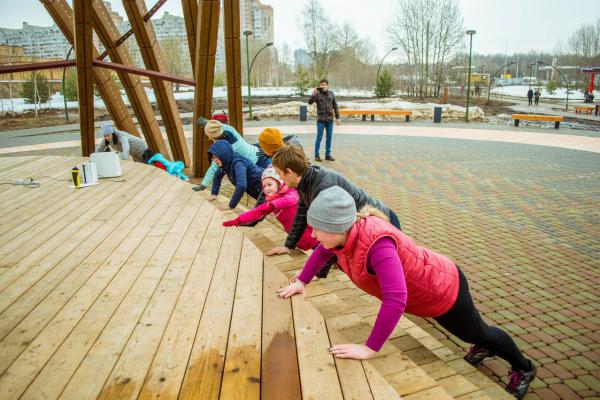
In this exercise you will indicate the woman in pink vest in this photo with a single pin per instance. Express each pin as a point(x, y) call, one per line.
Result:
point(386, 263)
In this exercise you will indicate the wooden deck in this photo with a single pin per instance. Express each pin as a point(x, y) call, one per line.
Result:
point(134, 289)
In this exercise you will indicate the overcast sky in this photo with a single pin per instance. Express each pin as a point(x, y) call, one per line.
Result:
point(524, 24)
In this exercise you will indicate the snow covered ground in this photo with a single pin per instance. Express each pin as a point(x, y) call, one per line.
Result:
point(420, 110)
point(521, 91)
point(56, 101)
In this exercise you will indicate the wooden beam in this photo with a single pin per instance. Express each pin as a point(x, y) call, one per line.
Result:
point(85, 82)
point(190, 15)
point(108, 33)
point(150, 51)
point(204, 73)
point(62, 14)
point(233, 60)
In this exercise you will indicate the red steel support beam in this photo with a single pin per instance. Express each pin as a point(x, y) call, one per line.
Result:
point(85, 71)
point(9, 69)
point(144, 72)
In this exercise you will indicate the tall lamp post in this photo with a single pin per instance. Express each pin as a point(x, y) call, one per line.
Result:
point(530, 73)
point(470, 32)
point(63, 86)
point(381, 63)
point(492, 77)
point(565, 79)
point(250, 64)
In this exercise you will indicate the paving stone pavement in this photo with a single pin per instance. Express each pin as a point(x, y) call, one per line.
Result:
point(522, 221)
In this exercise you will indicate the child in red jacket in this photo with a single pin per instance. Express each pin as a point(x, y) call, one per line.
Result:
point(280, 200)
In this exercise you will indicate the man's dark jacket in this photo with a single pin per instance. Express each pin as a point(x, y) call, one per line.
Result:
point(326, 106)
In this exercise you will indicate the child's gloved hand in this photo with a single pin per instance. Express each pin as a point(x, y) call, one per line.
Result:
point(232, 222)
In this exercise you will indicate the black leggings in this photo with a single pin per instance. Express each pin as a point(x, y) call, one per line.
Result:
point(463, 321)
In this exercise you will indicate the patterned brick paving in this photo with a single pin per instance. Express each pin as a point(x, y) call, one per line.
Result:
point(522, 221)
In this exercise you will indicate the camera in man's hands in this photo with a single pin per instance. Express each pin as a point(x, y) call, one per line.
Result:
point(320, 89)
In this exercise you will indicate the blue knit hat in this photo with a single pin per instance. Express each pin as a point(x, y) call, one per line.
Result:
point(107, 129)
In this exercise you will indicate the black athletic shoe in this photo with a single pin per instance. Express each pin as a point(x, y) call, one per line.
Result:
point(199, 188)
point(329, 158)
point(477, 354)
point(317, 158)
point(518, 381)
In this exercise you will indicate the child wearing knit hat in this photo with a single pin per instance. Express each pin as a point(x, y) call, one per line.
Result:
point(216, 130)
point(387, 264)
point(282, 202)
point(271, 139)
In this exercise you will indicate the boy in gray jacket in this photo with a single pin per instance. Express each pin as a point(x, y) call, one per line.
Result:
point(125, 143)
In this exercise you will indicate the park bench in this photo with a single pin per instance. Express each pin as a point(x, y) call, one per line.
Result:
point(535, 117)
point(582, 109)
point(373, 113)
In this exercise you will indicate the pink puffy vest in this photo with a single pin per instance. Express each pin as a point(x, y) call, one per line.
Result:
point(431, 278)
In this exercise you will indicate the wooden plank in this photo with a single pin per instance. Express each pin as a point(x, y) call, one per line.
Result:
point(280, 375)
point(241, 378)
point(107, 348)
point(35, 356)
point(205, 367)
point(318, 374)
point(168, 368)
point(55, 375)
point(63, 240)
point(380, 387)
point(67, 279)
point(352, 376)
point(85, 284)
point(84, 57)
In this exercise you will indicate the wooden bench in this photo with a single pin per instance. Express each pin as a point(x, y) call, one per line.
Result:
point(373, 113)
point(535, 117)
point(586, 109)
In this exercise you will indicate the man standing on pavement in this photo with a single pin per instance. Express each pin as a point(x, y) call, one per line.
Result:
point(530, 95)
point(327, 109)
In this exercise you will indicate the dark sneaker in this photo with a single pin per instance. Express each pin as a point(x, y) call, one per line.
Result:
point(317, 158)
point(477, 354)
point(329, 158)
point(518, 381)
point(199, 188)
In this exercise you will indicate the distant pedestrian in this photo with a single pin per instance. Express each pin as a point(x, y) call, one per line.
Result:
point(477, 91)
point(537, 95)
point(327, 112)
point(530, 95)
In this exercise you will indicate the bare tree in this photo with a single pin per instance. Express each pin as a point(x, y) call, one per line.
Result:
point(428, 32)
point(172, 49)
point(320, 37)
point(585, 41)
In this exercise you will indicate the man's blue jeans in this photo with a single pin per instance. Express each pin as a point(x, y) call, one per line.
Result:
point(328, 126)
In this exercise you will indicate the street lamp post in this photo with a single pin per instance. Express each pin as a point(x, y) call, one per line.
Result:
point(470, 32)
point(381, 63)
point(530, 73)
point(63, 86)
point(248, 33)
point(492, 77)
point(565, 79)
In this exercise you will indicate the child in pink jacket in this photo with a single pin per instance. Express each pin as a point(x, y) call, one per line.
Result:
point(280, 200)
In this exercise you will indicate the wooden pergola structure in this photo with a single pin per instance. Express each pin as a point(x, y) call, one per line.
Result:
point(201, 19)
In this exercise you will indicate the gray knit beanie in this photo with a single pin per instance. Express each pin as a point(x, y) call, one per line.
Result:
point(334, 211)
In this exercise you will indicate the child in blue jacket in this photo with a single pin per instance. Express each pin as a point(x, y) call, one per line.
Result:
point(242, 173)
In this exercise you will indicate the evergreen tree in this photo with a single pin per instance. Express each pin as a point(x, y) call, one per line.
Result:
point(35, 89)
point(385, 85)
point(70, 89)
